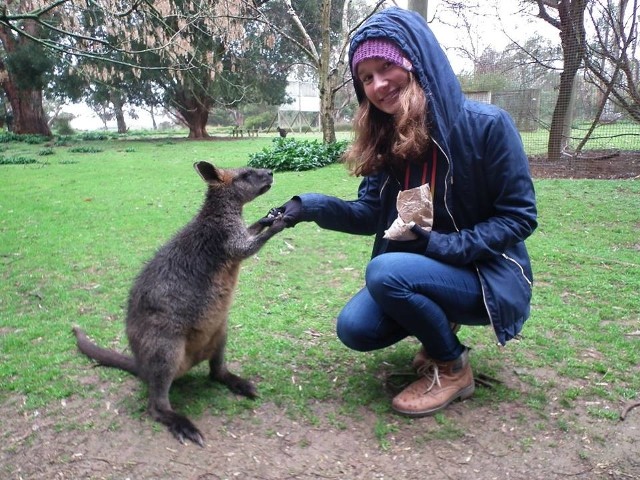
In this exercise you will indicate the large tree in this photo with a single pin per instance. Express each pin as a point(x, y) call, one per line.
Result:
point(24, 67)
point(197, 53)
point(568, 16)
point(613, 62)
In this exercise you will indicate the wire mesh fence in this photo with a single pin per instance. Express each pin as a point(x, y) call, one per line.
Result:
point(567, 72)
point(532, 110)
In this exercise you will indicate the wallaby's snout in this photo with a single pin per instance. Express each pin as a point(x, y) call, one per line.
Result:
point(268, 178)
point(254, 181)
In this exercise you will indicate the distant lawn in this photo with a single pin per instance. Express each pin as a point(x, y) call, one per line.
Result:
point(616, 136)
point(75, 229)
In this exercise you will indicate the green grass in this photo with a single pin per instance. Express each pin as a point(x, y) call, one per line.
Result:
point(616, 136)
point(75, 229)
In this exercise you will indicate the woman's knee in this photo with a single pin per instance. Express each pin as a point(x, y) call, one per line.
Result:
point(366, 332)
point(350, 333)
point(378, 274)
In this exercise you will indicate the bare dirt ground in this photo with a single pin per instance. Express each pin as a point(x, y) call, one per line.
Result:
point(592, 164)
point(84, 438)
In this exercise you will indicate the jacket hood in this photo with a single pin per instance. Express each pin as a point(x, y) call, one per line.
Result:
point(433, 71)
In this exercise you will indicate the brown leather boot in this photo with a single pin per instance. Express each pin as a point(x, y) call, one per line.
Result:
point(422, 358)
point(440, 384)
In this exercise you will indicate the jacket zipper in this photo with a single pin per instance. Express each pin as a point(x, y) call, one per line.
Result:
point(520, 267)
point(446, 185)
point(446, 205)
point(484, 299)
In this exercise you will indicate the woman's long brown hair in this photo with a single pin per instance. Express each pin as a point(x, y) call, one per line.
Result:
point(386, 141)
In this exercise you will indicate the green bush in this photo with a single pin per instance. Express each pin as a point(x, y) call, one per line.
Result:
point(7, 137)
point(85, 150)
point(34, 139)
point(31, 139)
point(17, 160)
point(297, 155)
point(95, 136)
point(260, 121)
point(46, 151)
point(62, 125)
point(63, 141)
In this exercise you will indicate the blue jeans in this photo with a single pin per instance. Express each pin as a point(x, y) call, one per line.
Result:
point(408, 294)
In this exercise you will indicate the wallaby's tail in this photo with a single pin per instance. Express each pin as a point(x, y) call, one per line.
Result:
point(104, 356)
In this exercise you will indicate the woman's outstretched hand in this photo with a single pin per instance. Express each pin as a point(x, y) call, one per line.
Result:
point(290, 213)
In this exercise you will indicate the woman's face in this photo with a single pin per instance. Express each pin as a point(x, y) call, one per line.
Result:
point(383, 81)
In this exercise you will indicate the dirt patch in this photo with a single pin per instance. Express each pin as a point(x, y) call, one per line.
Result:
point(84, 438)
point(593, 164)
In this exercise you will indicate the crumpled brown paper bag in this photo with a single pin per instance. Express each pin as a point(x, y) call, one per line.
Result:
point(415, 207)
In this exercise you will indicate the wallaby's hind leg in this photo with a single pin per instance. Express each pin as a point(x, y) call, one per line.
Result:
point(160, 409)
point(220, 373)
point(161, 369)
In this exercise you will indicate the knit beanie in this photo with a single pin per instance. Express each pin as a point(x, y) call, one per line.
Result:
point(379, 48)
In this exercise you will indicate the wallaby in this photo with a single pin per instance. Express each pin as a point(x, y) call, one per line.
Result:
point(179, 303)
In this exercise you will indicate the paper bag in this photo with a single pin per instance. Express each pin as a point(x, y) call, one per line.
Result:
point(415, 207)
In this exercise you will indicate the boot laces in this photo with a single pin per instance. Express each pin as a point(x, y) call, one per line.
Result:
point(431, 373)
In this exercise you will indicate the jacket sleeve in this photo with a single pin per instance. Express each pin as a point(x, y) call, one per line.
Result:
point(358, 216)
point(497, 201)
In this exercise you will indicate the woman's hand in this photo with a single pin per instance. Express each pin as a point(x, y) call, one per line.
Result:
point(290, 212)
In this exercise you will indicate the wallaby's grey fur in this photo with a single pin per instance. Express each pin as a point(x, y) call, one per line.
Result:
point(178, 305)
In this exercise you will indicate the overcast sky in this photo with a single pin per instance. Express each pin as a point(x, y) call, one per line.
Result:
point(492, 29)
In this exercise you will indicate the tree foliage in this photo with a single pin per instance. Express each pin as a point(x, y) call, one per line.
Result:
point(190, 55)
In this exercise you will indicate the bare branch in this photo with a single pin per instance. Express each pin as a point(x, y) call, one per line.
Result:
point(310, 46)
point(544, 14)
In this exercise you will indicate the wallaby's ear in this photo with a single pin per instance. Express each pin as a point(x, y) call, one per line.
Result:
point(208, 172)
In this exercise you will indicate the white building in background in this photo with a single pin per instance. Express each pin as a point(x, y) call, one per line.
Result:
point(304, 112)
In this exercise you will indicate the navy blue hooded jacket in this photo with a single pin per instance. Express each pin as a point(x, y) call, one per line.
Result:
point(488, 193)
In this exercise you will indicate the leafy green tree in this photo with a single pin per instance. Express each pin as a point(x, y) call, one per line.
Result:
point(25, 67)
point(191, 55)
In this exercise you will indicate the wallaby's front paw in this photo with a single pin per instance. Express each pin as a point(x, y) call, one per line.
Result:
point(278, 224)
point(275, 212)
point(270, 217)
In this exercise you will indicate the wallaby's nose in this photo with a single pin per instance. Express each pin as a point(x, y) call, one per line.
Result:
point(270, 173)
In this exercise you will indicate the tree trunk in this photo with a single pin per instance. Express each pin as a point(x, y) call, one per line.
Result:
point(327, 93)
point(327, 120)
point(26, 102)
point(153, 117)
point(420, 6)
point(194, 114)
point(572, 36)
point(119, 113)
point(196, 120)
point(560, 131)
point(27, 111)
